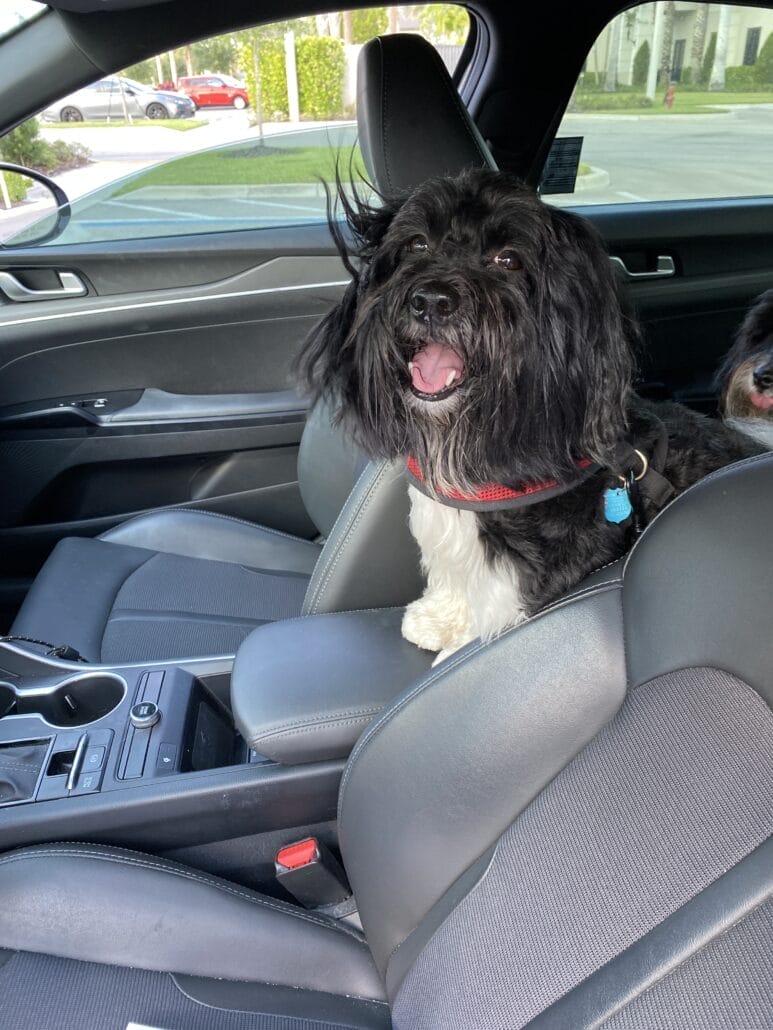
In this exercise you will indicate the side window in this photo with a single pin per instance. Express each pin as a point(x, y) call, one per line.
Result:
point(675, 102)
point(249, 154)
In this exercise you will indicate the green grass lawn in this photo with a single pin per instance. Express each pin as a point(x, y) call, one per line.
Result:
point(179, 124)
point(250, 165)
point(684, 103)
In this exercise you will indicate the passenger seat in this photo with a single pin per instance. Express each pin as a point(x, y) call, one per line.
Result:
point(181, 583)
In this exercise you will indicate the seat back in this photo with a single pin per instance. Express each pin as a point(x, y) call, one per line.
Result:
point(329, 465)
point(572, 825)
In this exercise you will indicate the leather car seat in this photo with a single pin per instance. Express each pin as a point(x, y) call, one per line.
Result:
point(185, 583)
point(568, 827)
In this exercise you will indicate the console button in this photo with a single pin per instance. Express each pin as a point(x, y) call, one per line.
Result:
point(144, 715)
point(95, 756)
point(88, 783)
point(167, 758)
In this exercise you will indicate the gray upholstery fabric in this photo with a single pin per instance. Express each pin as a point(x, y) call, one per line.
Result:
point(173, 605)
point(115, 603)
point(725, 984)
point(676, 789)
point(39, 991)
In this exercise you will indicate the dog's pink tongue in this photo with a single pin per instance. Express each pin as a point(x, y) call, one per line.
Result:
point(433, 365)
point(759, 400)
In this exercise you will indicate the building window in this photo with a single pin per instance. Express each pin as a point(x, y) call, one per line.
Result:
point(752, 47)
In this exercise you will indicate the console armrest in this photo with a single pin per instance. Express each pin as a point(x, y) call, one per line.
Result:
point(303, 690)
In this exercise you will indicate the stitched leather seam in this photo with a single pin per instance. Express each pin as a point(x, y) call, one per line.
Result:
point(131, 859)
point(365, 717)
point(322, 719)
point(687, 958)
point(355, 518)
point(362, 508)
point(207, 515)
point(314, 585)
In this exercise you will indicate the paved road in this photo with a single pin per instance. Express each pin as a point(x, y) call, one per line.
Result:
point(677, 157)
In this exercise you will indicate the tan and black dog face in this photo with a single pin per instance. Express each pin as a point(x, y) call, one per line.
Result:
point(747, 373)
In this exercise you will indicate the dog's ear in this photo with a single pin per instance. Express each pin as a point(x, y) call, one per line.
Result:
point(589, 340)
point(324, 360)
point(317, 368)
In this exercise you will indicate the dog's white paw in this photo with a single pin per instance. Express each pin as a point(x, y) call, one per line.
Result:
point(436, 621)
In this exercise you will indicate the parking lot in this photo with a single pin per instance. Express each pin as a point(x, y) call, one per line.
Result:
point(633, 159)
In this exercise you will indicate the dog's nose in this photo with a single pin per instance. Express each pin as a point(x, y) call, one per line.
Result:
point(434, 302)
point(763, 376)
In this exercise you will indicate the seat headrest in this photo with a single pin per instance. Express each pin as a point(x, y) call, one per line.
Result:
point(412, 122)
point(697, 586)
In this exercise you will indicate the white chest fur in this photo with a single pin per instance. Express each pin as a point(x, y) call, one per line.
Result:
point(467, 596)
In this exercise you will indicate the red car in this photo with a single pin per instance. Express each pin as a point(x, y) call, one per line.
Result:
point(214, 90)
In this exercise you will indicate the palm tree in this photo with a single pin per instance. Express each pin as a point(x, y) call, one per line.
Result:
point(717, 77)
point(613, 55)
point(664, 74)
point(698, 40)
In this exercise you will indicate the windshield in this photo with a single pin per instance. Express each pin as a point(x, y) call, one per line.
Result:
point(15, 13)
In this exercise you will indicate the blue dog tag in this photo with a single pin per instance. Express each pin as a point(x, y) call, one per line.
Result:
point(617, 504)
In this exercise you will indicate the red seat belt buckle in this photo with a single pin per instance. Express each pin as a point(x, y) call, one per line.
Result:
point(311, 873)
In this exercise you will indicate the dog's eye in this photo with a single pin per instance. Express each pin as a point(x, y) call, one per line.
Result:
point(418, 245)
point(508, 260)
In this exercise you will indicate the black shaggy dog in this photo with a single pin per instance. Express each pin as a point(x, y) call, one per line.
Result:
point(481, 341)
point(746, 375)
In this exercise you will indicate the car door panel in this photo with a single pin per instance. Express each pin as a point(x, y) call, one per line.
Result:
point(131, 398)
point(723, 257)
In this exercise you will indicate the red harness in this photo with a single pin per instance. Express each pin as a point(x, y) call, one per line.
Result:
point(493, 496)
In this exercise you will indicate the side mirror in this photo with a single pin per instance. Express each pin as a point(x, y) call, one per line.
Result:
point(33, 209)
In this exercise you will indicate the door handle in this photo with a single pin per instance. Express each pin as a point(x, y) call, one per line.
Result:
point(71, 286)
point(664, 268)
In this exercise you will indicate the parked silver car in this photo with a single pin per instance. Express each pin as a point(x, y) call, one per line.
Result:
point(103, 99)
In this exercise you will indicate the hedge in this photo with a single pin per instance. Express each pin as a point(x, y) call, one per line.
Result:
point(609, 101)
point(25, 146)
point(17, 185)
point(763, 66)
point(740, 79)
point(320, 65)
point(641, 65)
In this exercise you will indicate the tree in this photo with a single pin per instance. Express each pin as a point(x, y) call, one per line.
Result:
point(613, 55)
point(367, 23)
point(664, 72)
point(641, 63)
point(698, 38)
point(763, 67)
point(708, 59)
point(444, 23)
point(213, 55)
point(717, 77)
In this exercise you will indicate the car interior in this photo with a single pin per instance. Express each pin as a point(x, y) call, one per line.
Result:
point(231, 794)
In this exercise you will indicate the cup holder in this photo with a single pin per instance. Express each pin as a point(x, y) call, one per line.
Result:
point(76, 701)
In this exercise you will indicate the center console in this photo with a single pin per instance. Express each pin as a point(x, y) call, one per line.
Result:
point(164, 755)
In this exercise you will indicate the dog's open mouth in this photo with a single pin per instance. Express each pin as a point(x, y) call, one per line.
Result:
point(761, 400)
point(436, 371)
